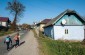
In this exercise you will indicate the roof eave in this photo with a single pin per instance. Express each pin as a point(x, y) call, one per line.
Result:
point(48, 26)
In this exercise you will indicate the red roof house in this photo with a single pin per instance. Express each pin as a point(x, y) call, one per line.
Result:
point(4, 21)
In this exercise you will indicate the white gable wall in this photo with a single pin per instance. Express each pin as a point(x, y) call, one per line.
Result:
point(74, 33)
point(41, 27)
point(4, 24)
point(70, 20)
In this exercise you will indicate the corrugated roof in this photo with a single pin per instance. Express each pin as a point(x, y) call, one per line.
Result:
point(4, 19)
point(45, 21)
point(52, 22)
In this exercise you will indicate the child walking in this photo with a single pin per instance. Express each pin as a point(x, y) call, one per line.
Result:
point(16, 38)
point(8, 41)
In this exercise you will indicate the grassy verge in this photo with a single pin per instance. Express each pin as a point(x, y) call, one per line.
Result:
point(35, 34)
point(57, 47)
point(2, 33)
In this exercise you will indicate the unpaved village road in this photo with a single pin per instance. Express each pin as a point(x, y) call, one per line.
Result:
point(3, 50)
point(29, 46)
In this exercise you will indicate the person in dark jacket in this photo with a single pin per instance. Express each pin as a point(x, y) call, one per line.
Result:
point(8, 41)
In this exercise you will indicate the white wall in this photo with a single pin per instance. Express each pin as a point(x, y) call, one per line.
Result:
point(41, 27)
point(4, 24)
point(74, 32)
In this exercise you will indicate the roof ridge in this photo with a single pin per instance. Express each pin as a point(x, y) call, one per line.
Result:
point(60, 15)
point(4, 17)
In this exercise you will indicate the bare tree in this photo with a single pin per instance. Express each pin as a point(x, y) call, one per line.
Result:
point(17, 9)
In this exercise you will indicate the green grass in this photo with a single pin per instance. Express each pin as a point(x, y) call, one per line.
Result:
point(2, 33)
point(52, 47)
point(57, 47)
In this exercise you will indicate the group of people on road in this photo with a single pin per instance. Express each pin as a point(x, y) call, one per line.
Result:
point(8, 41)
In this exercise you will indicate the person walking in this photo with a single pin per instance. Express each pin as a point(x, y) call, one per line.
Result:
point(16, 39)
point(8, 41)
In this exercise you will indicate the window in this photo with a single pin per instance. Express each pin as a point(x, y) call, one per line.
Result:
point(66, 31)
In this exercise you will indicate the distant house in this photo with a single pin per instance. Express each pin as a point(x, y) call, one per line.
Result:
point(69, 25)
point(4, 21)
point(32, 26)
point(42, 24)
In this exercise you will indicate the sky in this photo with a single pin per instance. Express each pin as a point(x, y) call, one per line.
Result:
point(38, 10)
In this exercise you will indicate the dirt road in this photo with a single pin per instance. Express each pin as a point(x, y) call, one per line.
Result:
point(29, 46)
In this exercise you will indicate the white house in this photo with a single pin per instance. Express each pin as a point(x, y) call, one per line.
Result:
point(4, 21)
point(69, 25)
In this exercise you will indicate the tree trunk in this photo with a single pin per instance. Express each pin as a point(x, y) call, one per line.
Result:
point(13, 26)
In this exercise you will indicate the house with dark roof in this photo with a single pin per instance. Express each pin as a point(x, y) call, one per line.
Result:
point(68, 25)
point(42, 24)
point(4, 21)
